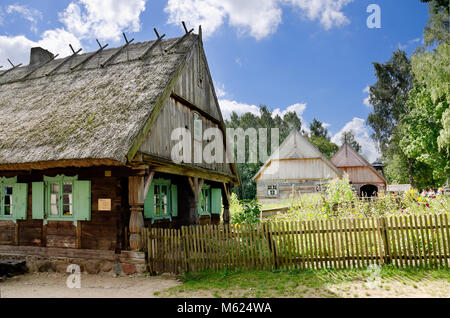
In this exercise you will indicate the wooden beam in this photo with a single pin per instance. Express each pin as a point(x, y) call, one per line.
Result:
point(190, 105)
point(179, 40)
point(192, 185)
point(65, 60)
point(167, 166)
point(154, 44)
point(38, 67)
point(118, 51)
point(78, 235)
point(90, 56)
point(148, 182)
point(42, 165)
point(16, 233)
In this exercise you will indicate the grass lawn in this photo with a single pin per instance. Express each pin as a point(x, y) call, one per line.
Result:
point(275, 205)
point(410, 282)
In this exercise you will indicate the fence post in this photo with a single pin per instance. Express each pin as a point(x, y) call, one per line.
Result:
point(272, 246)
point(385, 238)
point(150, 250)
point(184, 234)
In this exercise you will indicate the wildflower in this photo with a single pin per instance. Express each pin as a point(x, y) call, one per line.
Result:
point(427, 204)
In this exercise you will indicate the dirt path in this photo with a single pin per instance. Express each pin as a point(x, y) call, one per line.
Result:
point(53, 285)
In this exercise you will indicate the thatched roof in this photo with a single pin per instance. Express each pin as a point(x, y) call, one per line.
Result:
point(88, 113)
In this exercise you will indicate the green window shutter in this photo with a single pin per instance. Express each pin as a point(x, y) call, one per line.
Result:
point(20, 201)
point(149, 203)
point(174, 199)
point(216, 201)
point(37, 197)
point(82, 200)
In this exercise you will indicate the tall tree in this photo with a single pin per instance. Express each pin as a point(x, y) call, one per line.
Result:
point(349, 138)
point(437, 28)
point(388, 97)
point(426, 126)
point(324, 145)
point(290, 121)
point(319, 137)
point(317, 129)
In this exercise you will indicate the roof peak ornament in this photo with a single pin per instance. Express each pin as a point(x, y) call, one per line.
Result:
point(12, 68)
point(90, 56)
point(118, 51)
point(154, 44)
point(74, 53)
point(182, 38)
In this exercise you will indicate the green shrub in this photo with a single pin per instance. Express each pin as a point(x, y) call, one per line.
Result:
point(245, 211)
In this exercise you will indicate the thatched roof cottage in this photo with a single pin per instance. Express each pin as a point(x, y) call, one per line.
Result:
point(85, 153)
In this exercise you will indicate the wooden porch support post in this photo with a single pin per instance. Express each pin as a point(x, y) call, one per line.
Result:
point(137, 190)
point(196, 185)
point(226, 203)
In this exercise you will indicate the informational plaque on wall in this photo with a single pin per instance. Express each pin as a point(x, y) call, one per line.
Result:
point(104, 204)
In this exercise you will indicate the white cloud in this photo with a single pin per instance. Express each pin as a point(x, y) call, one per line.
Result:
point(228, 106)
point(298, 108)
point(103, 19)
point(410, 43)
point(83, 19)
point(362, 136)
point(32, 15)
point(366, 100)
point(258, 18)
point(17, 48)
point(328, 12)
point(220, 90)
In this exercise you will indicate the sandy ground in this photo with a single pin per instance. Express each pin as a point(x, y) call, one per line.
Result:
point(394, 289)
point(53, 285)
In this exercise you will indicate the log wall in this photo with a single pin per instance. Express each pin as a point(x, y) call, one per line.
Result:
point(105, 231)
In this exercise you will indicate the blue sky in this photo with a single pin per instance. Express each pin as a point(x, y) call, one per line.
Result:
point(314, 57)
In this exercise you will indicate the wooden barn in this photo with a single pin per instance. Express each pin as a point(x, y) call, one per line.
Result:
point(364, 177)
point(296, 166)
point(85, 153)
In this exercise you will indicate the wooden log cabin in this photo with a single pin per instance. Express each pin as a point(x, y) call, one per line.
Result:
point(366, 180)
point(85, 152)
point(297, 167)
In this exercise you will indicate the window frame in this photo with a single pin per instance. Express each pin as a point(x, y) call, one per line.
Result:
point(60, 179)
point(205, 189)
point(272, 187)
point(3, 183)
point(162, 182)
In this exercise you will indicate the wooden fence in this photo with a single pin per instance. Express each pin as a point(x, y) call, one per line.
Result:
point(400, 240)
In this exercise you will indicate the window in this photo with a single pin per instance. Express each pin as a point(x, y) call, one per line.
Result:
point(204, 201)
point(13, 199)
point(62, 198)
point(272, 190)
point(210, 201)
point(161, 201)
point(197, 127)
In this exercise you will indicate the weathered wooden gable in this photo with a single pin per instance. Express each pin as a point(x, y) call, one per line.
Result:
point(357, 168)
point(297, 159)
point(192, 93)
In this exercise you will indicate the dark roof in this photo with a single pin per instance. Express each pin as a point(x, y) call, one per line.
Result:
point(89, 112)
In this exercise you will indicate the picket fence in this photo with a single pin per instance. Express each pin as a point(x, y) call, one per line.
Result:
point(414, 240)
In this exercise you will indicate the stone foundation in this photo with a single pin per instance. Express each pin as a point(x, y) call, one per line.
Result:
point(124, 267)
